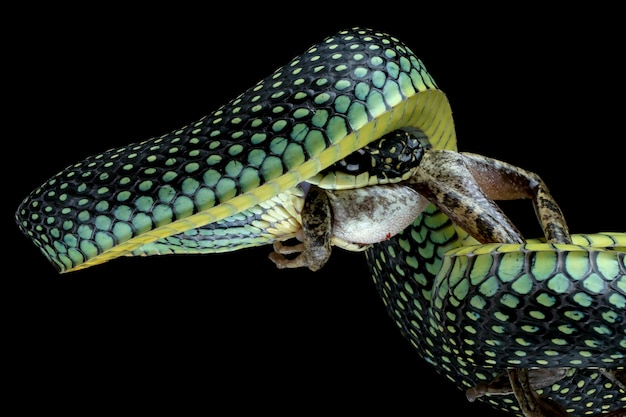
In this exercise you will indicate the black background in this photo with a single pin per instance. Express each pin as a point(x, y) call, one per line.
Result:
point(231, 332)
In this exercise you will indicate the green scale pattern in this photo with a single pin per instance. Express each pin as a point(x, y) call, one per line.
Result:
point(551, 308)
point(437, 314)
point(305, 106)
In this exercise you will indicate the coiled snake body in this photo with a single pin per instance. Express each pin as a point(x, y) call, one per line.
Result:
point(352, 132)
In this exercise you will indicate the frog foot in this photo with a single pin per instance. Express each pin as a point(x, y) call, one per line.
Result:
point(531, 404)
point(315, 249)
point(501, 384)
point(523, 383)
point(306, 257)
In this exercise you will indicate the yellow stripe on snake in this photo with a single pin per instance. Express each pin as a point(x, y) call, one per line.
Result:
point(352, 144)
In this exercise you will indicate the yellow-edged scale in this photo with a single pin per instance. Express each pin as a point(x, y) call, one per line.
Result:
point(329, 120)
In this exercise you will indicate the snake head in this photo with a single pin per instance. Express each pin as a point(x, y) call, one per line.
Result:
point(161, 195)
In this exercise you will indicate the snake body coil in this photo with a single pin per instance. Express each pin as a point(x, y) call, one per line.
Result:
point(471, 325)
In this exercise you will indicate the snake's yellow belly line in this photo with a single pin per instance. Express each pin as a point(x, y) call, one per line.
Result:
point(428, 110)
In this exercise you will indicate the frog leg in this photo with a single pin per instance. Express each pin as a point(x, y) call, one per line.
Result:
point(315, 249)
point(503, 181)
point(531, 404)
point(465, 185)
point(501, 384)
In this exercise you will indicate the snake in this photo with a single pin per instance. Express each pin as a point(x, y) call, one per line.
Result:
point(337, 148)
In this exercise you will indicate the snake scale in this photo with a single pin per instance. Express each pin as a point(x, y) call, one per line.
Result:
point(355, 130)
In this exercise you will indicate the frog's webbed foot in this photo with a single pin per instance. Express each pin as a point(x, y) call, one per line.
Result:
point(280, 250)
point(315, 249)
point(523, 383)
point(501, 384)
point(531, 404)
point(464, 186)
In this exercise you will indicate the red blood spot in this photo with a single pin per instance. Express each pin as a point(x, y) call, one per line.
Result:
point(388, 236)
